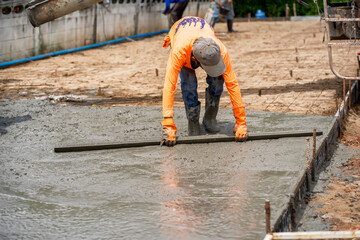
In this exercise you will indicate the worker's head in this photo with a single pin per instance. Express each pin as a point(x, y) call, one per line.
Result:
point(208, 54)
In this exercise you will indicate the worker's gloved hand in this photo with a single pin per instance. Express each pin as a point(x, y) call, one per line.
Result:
point(240, 128)
point(168, 132)
point(240, 133)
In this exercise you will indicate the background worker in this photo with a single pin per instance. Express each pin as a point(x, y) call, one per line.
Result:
point(225, 8)
point(177, 10)
point(194, 44)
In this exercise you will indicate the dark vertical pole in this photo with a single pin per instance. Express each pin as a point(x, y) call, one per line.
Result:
point(197, 7)
point(136, 18)
point(95, 25)
point(313, 172)
point(349, 94)
point(268, 213)
point(308, 164)
point(287, 9)
point(344, 95)
point(314, 143)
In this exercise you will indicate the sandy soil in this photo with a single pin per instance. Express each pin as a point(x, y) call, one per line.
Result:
point(281, 66)
point(339, 202)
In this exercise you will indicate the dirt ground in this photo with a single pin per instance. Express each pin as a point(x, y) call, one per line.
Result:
point(280, 66)
point(339, 203)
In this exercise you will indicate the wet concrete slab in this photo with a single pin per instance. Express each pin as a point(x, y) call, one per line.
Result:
point(199, 191)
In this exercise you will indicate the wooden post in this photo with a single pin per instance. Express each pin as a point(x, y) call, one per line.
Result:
point(268, 213)
point(249, 17)
point(308, 164)
point(358, 89)
point(294, 8)
point(287, 10)
point(349, 94)
point(339, 119)
point(336, 102)
point(344, 95)
point(313, 172)
point(314, 143)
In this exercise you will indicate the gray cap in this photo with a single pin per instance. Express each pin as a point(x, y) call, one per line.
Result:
point(207, 52)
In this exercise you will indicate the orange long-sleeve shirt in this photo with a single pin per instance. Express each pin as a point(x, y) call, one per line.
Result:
point(181, 37)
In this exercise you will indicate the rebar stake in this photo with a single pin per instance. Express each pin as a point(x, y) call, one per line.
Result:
point(268, 213)
point(336, 102)
point(349, 94)
point(314, 155)
point(339, 120)
point(314, 144)
point(308, 163)
point(344, 95)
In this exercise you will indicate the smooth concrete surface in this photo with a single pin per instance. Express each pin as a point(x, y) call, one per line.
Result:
point(199, 191)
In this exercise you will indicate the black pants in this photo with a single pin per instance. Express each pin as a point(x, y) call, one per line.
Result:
point(178, 10)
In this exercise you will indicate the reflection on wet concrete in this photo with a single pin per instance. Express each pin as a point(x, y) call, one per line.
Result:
point(7, 121)
point(200, 191)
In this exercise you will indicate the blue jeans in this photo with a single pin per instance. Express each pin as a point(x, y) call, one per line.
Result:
point(189, 86)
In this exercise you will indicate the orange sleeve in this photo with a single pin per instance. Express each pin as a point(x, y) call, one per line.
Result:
point(166, 41)
point(233, 87)
point(173, 68)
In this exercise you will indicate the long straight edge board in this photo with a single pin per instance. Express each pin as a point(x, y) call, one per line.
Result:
point(186, 140)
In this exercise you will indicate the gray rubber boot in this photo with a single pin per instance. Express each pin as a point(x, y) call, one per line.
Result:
point(230, 26)
point(212, 22)
point(193, 114)
point(211, 110)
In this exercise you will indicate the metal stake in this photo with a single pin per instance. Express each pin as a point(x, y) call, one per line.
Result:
point(344, 95)
point(349, 94)
point(314, 155)
point(268, 213)
point(308, 163)
point(314, 143)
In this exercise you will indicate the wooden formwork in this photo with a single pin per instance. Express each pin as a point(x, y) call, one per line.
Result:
point(314, 235)
point(289, 218)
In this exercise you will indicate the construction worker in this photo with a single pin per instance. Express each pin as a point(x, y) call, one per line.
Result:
point(177, 10)
point(194, 44)
point(223, 8)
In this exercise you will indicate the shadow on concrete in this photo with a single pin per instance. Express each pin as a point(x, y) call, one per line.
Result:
point(6, 122)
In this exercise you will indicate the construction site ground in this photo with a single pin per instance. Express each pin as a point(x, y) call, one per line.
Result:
point(282, 68)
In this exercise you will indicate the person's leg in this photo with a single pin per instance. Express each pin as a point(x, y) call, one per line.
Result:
point(191, 100)
point(213, 21)
point(178, 10)
point(215, 85)
point(230, 21)
point(230, 26)
point(212, 100)
point(182, 8)
point(216, 14)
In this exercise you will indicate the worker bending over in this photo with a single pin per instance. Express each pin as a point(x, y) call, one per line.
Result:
point(194, 44)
